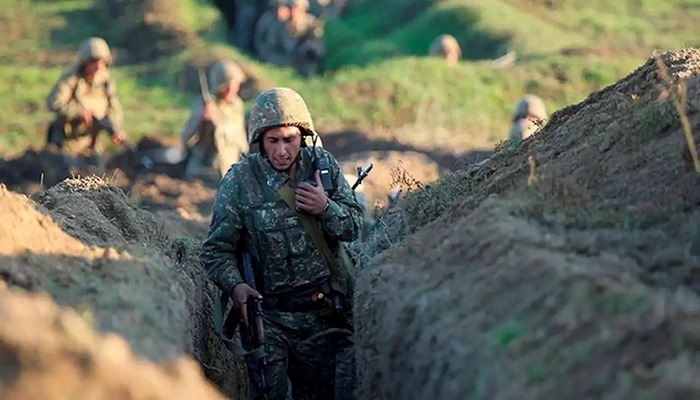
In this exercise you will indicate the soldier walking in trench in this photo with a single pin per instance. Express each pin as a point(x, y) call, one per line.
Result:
point(263, 207)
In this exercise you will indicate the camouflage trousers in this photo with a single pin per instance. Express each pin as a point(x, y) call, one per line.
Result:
point(303, 363)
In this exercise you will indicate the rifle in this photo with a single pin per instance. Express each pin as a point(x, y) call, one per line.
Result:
point(105, 124)
point(256, 328)
point(204, 87)
point(362, 174)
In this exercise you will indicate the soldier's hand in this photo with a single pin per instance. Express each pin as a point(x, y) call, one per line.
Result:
point(311, 199)
point(208, 112)
point(119, 137)
point(241, 293)
point(86, 117)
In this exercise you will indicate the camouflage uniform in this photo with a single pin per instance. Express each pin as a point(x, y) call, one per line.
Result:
point(289, 268)
point(529, 110)
point(223, 138)
point(446, 46)
point(72, 94)
point(269, 36)
point(303, 41)
point(244, 25)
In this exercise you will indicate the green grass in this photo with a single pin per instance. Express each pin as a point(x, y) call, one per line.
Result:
point(378, 79)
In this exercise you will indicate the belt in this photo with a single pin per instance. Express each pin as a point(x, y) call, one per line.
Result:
point(304, 299)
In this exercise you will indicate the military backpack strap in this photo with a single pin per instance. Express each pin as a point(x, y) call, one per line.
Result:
point(338, 277)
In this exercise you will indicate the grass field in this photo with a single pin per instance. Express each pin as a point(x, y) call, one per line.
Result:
point(378, 79)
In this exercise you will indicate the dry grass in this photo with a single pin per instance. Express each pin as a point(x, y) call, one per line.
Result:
point(678, 94)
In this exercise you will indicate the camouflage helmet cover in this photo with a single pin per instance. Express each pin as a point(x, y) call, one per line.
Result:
point(223, 72)
point(278, 107)
point(94, 48)
point(532, 105)
point(443, 45)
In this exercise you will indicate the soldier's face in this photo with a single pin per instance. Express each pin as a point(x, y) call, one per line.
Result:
point(297, 13)
point(282, 13)
point(93, 67)
point(282, 145)
point(230, 91)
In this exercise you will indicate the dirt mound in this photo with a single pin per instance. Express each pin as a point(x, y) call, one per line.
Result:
point(52, 353)
point(134, 291)
point(583, 284)
point(391, 169)
point(146, 28)
point(499, 306)
point(151, 290)
point(100, 214)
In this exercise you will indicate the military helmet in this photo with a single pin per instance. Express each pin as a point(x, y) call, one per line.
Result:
point(94, 48)
point(299, 3)
point(532, 105)
point(275, 107)
point(223, 72)
point(278, 3)
point(443, 45)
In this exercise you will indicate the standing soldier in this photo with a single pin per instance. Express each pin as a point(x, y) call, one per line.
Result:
point(304, 39)
point(275, 206)
point(447, 47)
point(84, 99)
point(247, 13)
point(528, 117)
point(269, 34)
point(217, 125)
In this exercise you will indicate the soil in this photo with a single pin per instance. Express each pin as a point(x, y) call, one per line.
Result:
point(49, 352)
point(566, 266)
point(128, 270)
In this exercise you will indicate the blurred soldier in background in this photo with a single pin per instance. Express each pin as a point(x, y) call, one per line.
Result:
point(447, 47)
point(216, 125)
point(528, 117)
point(84, 99)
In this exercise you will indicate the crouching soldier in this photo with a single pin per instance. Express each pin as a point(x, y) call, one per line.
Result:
point(84, 99)
point(290, 209)
point(215, 130)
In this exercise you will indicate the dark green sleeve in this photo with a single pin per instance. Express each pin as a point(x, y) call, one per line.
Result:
point(218, 255)
point(343, 218)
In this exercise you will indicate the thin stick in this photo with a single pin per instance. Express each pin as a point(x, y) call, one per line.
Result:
point(679, 103)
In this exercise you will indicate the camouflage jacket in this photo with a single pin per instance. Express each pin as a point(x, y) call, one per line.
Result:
point(228, 120)
point(269, 39)
point(72, 94)
point(249, 211)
